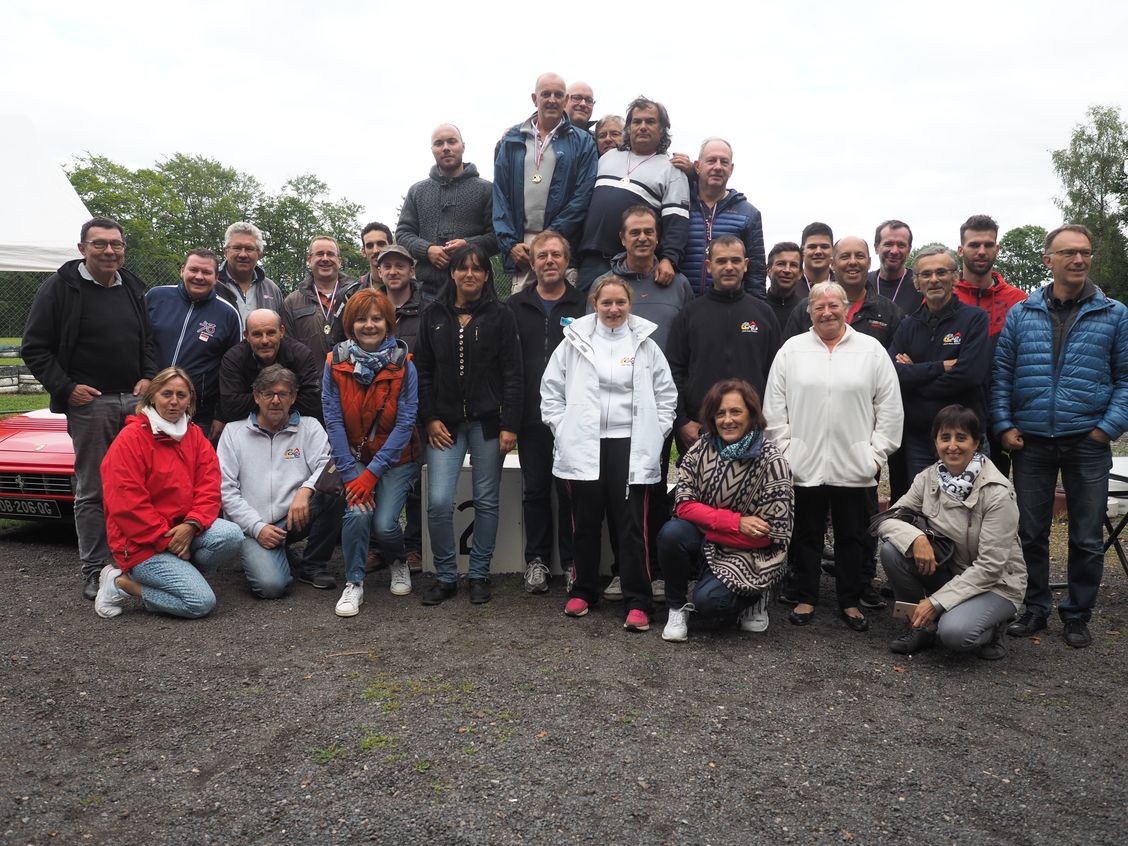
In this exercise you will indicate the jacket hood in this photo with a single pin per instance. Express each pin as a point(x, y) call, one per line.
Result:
point(469, 171)
point(996, 281)
point(619, 267)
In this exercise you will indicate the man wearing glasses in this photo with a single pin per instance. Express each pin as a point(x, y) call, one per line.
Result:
point(88, 341)
point(242, 282)
point(580, 104)
point(1060, 396)
point(270, 462)
point(543, 177)
point(312, 313)
point(942, 354)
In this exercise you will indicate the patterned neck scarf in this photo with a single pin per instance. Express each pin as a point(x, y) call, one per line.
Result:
point(959, 487)
point(367, 364)
point(737, 449)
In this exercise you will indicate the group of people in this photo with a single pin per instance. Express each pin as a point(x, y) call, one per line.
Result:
point(644, 313)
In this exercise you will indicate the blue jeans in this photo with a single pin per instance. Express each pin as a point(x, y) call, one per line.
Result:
point(443, 467)
point(383, 522)
point(268, 570)
point(171, 585)
point(680, 546)
point(1084, 466)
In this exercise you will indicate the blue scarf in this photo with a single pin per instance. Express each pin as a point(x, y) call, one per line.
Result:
point(737, 449)
point(367, 364)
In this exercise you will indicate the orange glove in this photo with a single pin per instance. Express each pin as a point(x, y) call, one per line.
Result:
point(360, 489)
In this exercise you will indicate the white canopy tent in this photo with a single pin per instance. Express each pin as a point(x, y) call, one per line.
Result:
point(40, 215)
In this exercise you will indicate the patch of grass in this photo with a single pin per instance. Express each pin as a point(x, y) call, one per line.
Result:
point(91, 800)
point(422, 766)
point(253, 691)
point(12, 403)
point(10, 361)
point(370, 741)
point(329, 753)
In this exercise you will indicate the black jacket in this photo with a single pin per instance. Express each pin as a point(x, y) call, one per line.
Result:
point(540, 334)
point(957, 331)
point(878, 317)
point(51, 334)
point(483, 383)
point(240, 368)
point(783, 306)
point(720, 335)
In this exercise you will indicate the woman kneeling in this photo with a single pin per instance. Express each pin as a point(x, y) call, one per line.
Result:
point(734, 504)
point(160, 481)
point(967, 602)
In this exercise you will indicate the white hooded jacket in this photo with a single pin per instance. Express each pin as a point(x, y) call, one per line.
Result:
point(570, 403)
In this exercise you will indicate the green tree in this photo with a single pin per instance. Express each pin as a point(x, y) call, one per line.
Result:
point(1020, 257)
point(189, 201)
point(1092, 171)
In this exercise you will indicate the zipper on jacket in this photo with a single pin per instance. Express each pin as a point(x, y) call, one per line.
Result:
point(183, 329)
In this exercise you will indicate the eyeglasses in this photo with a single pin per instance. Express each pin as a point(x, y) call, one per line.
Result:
point(1068, 254)
point(239, 250)
point(279, 395)
point(580, 98)
point(324, 254)
point(940, 275)
point(116, 246)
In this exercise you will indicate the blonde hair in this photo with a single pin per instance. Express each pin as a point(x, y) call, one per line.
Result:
point(159, 381)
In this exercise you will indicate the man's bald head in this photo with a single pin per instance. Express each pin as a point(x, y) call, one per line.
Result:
point(264, 333)
point(448, 147)
point(548, 97)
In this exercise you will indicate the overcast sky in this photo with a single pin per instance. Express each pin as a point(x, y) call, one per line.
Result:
point(846, 113)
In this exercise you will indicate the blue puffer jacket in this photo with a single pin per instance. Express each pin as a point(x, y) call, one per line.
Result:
point(734, 216)
point(1089, 386)
point(569, 193)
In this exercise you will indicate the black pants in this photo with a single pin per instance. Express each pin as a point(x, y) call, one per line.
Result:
point(537, 482)
point(850, 512)
point(628, 504)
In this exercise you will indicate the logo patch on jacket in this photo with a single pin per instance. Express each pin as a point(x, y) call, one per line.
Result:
point(626, 361)
point(206, 331)
point(292, 453)
point(952, 339)
point(749, 326)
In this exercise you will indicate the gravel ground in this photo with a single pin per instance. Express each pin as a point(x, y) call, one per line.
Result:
point(276, 722)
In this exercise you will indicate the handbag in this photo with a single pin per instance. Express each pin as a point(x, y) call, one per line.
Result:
point(943, 549)
point(330, 481)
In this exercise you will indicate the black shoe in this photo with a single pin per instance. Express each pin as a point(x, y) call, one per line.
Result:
point(479, 591)
point(783, 599)
point(913, 641)
point(439, 592)
point(90, 589)
point(995, 649)
point(858, 624)
point(797, 619)
point(1077, 634)
point(1027, 624)
point(319, 578)
point(870, 598)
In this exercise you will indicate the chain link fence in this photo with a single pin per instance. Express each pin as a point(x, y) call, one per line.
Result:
point(17, 290)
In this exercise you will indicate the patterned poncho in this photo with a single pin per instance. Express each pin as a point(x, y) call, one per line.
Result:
point(757, 483)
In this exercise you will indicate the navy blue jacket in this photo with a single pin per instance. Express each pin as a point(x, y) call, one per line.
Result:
point(1085, 389)
point(194, 335)
point(733, 215)
point(957, 331)
point(569, 193)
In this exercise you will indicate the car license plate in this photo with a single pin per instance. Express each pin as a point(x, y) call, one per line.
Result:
point(44, 508)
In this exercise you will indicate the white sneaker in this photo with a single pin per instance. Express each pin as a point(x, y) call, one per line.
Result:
point(536, 576)
point(677, 624)
point(401, 578)
point(614, 590)
point(109, 600)
point(754, 618)
point(351, 600)
point(658, 590)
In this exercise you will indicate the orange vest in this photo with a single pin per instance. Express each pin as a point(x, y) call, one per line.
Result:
point(361, 403)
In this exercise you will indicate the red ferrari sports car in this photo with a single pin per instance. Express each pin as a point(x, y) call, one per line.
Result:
point(36, 467)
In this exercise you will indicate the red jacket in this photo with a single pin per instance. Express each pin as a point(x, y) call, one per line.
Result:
point(152, 483)
point(996, 300)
